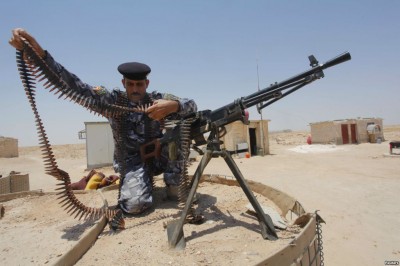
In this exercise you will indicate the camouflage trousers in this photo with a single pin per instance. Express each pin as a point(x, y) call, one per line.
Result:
point(136, 188)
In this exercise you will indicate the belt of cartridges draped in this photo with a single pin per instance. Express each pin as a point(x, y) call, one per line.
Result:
point(33, 69)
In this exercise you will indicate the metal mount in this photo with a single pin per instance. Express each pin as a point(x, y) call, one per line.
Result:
point(175, 229)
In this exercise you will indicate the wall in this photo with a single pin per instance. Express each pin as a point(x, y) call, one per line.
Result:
point(362, 128)
point(238, 132)
point(331, 132)
point(262, 144)
point(8, 147)
point(325, 132)
point(99, 144)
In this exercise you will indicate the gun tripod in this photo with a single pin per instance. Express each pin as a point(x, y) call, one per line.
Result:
point(175, 229)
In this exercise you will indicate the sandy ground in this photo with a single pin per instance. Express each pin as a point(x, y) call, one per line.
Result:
point(354, 187)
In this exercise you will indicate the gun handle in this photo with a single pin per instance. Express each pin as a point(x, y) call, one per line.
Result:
point(150, 149)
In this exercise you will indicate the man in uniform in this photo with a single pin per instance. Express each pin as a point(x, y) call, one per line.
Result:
point(136, 189)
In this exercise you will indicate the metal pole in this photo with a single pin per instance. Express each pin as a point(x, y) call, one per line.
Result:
point(261, 122)
point(267, 226)
point(176, 238)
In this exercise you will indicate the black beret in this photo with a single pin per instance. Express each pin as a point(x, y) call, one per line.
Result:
point(134, 70)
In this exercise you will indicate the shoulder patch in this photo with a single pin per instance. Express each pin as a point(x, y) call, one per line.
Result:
point(168, 96)
point(99, 90)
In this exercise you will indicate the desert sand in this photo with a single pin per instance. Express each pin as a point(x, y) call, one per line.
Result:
point(354, 187)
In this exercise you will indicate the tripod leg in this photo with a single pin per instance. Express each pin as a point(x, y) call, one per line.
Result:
point(267, 227)
point(175, 229)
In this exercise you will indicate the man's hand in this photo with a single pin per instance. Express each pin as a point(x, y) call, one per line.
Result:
point(16, 41)
point(161, 108)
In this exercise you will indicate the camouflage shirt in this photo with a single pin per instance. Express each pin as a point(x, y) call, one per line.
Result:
point(136, 133)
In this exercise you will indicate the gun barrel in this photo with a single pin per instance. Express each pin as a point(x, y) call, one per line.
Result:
point(337, 60)
point(305, 77)
point(236, 110)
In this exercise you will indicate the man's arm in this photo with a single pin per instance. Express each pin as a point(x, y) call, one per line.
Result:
point(162, 108)
point(187, 106)
point(74, 83)
point(171, 105)
point(16, 41)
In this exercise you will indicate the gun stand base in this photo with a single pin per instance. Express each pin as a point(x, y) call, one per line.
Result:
point(175, 229)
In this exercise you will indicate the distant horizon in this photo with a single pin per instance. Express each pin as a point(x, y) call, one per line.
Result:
point(287, 130)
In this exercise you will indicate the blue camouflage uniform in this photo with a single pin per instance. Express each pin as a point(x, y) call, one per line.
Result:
point(136, 189)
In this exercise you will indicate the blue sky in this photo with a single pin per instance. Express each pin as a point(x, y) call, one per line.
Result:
point(208, 51)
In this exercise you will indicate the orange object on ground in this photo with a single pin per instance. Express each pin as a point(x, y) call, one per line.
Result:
point(95, 181)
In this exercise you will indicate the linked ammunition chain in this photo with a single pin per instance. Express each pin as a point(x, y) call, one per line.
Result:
point(149, 134)
point(185, 182)
point(319, 237)
point(33, 69)
point(120, 140)
point(30, 72)
point(151, 218)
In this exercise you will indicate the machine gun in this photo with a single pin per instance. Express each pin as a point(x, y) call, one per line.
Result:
point(215, 121)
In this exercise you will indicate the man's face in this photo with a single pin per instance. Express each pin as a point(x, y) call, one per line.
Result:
point(135, 89)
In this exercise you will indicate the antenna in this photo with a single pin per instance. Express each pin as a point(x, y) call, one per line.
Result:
point(258, 87)
point(261, 117)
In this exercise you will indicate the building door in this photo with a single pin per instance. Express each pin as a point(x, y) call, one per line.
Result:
point(353, 133)
point(345, 134)
point(253, 141)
